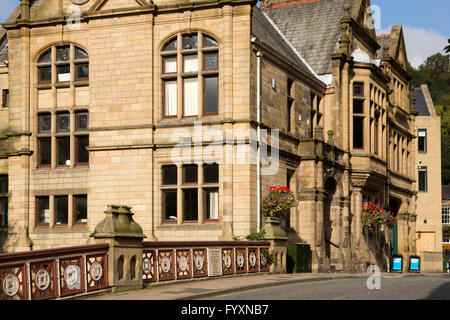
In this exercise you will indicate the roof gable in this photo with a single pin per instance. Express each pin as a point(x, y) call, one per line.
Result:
point(395, 41)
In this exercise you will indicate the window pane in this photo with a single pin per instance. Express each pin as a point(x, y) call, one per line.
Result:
point(423, 179)
point(358, 90)
point(190, 63)
point(170, 65)
point(63, 151)
point(45, 123)
point(80, 208)
point(43, 209)
point(63, 53)
point(45, 74)
point(63, 73)
point(4, 184)
point(421, 144)
point(190, 42)
point(190, 97)
point(82, 152)
point(211, 173)
point(46, 57)
point(190, 204)
point(82, 121)
point(190, 173)
point(358, 106)
point(171, 46)
point(212, 204)
point(62, 210)
point(209, 42)
point(5, 102)
point(45, 151)
point(422, 140)
point(170, 205)
point(170, 175)
point(80, 54)
point(4, 212)
point(211, 61)
point(82, 71)
point(171, 101)
point(211, 95)
point(63, 122)
point(358, 124)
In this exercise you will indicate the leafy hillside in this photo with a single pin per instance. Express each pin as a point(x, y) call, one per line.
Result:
point(435, 72)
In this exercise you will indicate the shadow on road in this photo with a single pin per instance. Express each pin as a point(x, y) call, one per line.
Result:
point(440, 293)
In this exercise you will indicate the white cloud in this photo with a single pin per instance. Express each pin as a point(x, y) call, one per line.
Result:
point(420, 43)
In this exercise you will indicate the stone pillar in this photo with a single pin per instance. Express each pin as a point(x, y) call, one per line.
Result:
point(277, 238)
point(124, 237)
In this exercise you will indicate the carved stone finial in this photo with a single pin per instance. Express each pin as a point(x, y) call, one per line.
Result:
point(344, 41)
point(347, 9)
point(118, 222)
point(386, 51)
point(330, 137)
point(318, 133)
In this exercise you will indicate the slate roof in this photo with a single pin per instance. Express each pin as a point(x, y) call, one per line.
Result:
point(382, 40)
point(421, 104)
point(263, 30)
point(313, 28)
point(445, 192)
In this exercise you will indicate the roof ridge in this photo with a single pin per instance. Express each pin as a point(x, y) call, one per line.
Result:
point(290, 4)
point(384, 35)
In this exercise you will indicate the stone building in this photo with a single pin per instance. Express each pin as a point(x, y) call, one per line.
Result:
point(445, 212)
point(429, 219)
point(164, 106)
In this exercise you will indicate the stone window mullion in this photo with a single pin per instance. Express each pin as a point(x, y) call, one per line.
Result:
point(72, 140)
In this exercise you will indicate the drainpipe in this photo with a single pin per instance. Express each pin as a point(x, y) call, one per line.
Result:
point(258, 119)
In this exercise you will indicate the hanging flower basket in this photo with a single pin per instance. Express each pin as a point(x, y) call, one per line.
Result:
point(375, 217)
point(391, 219)
point(372, 218)
point(278, 202)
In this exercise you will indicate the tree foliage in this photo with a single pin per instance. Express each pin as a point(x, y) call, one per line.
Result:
point(435, 72)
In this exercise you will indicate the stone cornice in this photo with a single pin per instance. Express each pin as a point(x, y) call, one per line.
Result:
point(92, 13)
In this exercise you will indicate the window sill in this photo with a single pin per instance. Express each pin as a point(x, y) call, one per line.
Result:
point(189, 226)
point(81, 83)
point(211, 221)
point(169, 222)
point(43, 226)
point(44, 86)
point(60, 85)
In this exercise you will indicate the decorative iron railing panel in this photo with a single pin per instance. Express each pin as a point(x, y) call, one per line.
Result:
point(53, 273)
point(169, 261)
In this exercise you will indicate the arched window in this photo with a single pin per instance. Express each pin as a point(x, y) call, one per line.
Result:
point(190, 76)
point(63, 65)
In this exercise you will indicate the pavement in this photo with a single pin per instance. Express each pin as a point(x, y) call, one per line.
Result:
point(210, 288)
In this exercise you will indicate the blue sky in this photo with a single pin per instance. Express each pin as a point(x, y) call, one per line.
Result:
point(426, 23)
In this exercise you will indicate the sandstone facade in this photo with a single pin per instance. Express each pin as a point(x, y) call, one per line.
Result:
point(133, 137)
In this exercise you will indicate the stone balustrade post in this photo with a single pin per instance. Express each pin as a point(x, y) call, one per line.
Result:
point(277, 238)
point(125, 239)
